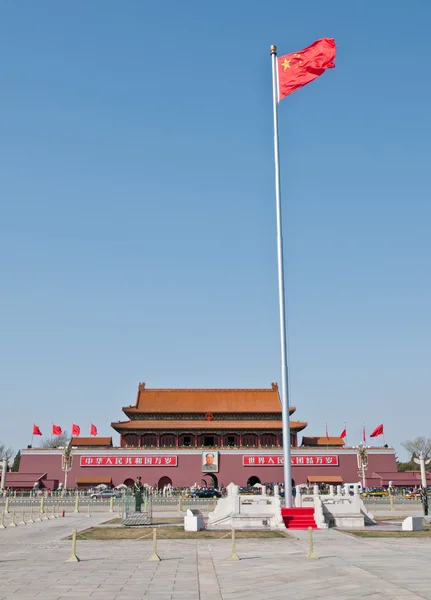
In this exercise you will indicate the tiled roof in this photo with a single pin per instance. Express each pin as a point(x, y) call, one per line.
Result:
point(91, 441)
point(325, 478)
point(13, 479)
point(206, 400)
point(252, 425)
point(322, 441)
point(97, 479)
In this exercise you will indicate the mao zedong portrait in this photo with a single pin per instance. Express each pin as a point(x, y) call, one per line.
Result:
point(210, 462)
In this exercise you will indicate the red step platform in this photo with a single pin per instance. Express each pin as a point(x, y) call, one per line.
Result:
point(299, 518)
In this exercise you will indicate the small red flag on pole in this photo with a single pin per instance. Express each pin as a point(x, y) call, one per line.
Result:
point(327, 434)
point(364, 435)
point(378, 431)
point(343, 433)
point(36, 430)
point(93, 429)
point(56, 430)
point(76, 430)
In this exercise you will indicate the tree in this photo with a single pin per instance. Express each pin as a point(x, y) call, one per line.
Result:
point(418, 445)
point(16, 461)
point(56, 441)
point(5, 452)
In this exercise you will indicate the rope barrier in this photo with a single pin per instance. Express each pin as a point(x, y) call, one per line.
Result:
point(233, 554)
point(154, 556)
point(13, 524)
point(73, 557)
point(311, 554)
point(22, 522)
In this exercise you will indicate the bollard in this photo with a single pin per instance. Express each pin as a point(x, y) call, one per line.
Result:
point(6, 506)
point(88, 511)
point(180, 504)
point(2, 525)
point(39, 517)
point(45, 515)
point(76, 504)
point(154, 557)
point(311, 553)
point(13, 524)
point(56, 509)
point(233, 554)
point(111, 505)
point(52, 512)
point(22, 522)
point(214, 502)
point(42, 505)
point(73, 557)
point(31, 516)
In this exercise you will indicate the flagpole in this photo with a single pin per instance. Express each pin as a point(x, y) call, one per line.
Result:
point(287, 467)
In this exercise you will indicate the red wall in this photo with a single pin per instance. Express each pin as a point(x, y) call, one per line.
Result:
point(189, 470)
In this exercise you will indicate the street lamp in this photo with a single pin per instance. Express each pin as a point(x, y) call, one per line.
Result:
point(66, 463)
point(362, 457)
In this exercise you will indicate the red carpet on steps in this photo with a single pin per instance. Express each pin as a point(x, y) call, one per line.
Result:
point(298, 518)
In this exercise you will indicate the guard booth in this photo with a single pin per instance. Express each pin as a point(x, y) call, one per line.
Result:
point(129, 515)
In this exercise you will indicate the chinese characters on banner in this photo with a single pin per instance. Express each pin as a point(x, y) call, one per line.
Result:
point(129, 461)
point(265, 461)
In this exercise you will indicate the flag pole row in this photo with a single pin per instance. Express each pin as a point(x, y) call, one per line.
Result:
point(57, 430)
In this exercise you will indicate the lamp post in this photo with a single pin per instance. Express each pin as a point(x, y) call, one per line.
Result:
point(362, 457)
point(66, 463)
point(422, 461)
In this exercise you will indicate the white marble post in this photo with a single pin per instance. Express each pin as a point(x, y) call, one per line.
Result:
point(3, 474)
point(276, 490)
point(331, 490)
point(338, 490)
point(263, 490)
point(356, 489)
point(315, 490)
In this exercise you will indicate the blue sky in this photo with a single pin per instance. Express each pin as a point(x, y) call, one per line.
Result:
point(137, 231)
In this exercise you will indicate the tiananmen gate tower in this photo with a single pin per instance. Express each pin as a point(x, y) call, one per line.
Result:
point(206, 436)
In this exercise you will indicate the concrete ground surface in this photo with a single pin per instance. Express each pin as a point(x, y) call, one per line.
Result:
point(32, 566)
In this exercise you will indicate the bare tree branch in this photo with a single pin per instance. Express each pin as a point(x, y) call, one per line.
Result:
point(419, 444)
point(56, 441)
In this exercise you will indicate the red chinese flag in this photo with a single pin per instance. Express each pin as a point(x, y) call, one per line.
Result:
point(343, 433)
point(76, 430)
point(327, 434)
point(56, 430)
point(93, 430)
point(378, 431)
point(298, 69)
point(364, 435)
point(36, 430)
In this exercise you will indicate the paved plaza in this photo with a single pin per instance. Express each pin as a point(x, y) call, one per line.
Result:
point(32, 566)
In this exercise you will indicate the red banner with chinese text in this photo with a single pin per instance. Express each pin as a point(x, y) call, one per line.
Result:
point(128, 461)
point(311, 460)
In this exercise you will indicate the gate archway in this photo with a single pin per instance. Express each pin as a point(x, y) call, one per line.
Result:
point(252, 480)
point(213, 482)
point(164, 481)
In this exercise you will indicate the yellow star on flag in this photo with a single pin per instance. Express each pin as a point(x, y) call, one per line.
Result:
point(286, 64)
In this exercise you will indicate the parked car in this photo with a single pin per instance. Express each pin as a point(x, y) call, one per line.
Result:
point(105, 494)
point(207, 493)
point(375, 493)
point(413, 495)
